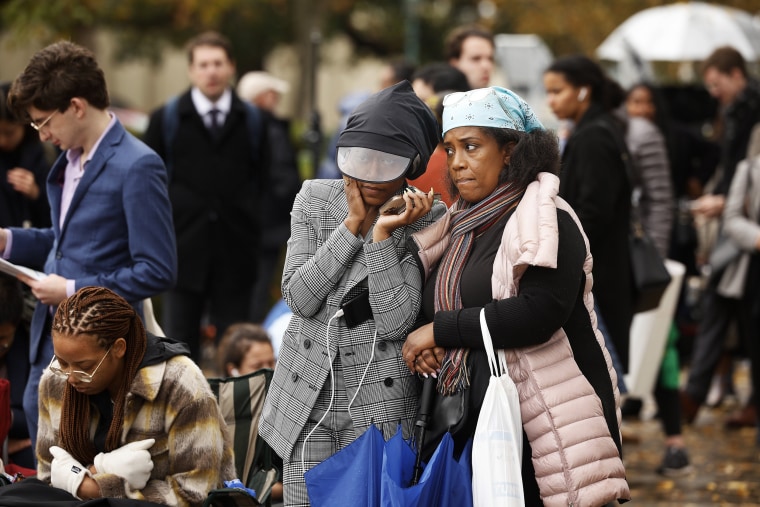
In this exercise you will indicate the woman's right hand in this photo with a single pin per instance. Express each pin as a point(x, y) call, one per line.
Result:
point(357, 209)
point(420, 352)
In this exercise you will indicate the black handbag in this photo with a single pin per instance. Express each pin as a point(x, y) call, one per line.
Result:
point(457, 413)
point(650, 276)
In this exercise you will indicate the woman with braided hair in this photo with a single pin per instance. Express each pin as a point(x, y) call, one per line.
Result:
point(124, 414)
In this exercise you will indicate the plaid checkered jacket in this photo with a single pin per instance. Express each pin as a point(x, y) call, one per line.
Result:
point(325, 266)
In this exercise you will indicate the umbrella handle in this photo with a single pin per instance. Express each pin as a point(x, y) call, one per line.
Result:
point(426, 399)
point(418, 459)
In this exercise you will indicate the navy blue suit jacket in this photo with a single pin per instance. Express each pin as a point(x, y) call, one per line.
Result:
point(117, 233)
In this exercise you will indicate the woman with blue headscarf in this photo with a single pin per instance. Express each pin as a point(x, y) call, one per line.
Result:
point(516, 251)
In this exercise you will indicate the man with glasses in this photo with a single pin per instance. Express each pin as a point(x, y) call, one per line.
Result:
point(112, 224)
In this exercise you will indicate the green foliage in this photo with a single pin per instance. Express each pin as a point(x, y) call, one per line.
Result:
point(376, 26)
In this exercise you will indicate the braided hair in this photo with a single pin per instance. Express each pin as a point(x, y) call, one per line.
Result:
point(104, 314)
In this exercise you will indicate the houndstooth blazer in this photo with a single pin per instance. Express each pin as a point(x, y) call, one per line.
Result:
point(326, 265)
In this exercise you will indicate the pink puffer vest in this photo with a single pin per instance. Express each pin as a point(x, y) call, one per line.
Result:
point(576, 460)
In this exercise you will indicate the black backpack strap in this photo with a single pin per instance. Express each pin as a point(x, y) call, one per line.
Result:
point(170, 124)
point(625, 155)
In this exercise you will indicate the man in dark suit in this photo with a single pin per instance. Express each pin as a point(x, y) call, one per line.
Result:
point(216, 176)
point(109, 206)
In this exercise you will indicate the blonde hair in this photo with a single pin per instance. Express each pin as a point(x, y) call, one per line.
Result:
point(104, 314)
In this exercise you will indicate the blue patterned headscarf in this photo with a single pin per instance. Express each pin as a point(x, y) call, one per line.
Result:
point(488, 107)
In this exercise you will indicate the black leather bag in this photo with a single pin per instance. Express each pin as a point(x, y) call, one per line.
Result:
point(458, 413)
point(650, 276)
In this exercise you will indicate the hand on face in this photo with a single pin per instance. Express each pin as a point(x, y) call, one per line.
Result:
point(357, 208)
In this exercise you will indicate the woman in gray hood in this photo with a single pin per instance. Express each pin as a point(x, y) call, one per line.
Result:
point(354, 290)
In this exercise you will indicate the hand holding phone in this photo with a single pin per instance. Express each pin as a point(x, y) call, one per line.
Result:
point(397, 205)
point(401, 211)
point(394, 206)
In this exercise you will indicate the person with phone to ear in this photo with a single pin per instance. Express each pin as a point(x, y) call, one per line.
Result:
point(355, 291)
point(594, 181)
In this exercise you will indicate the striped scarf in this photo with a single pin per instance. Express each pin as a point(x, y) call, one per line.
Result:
point(468, 222)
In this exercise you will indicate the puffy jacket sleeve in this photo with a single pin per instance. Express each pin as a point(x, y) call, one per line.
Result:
point(545, 301)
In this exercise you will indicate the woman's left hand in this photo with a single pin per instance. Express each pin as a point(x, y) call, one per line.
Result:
point(420, 353)
point(418, 204)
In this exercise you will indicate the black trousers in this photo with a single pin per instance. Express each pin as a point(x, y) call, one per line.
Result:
point(183, 313)
point(718, 314)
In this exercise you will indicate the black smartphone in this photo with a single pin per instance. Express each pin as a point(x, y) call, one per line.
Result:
point(357, 309)
point(396, 205)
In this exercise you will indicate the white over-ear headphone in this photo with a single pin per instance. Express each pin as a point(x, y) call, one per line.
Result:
point(582, 94)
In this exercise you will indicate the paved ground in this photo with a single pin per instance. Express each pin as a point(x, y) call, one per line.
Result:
point(726, 463)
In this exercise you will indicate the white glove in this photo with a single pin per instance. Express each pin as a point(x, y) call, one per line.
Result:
point(132, 462)
point(66, 472)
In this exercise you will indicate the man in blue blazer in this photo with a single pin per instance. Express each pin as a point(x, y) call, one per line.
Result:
point(111, 216)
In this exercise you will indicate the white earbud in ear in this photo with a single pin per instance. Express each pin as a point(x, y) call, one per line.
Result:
point(582, 94)
point(234, 372)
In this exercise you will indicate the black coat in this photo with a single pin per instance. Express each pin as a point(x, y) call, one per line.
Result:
point(214, 188)
point(594, 182)
point(282, 184)
point(738, 120)
point(15, 209)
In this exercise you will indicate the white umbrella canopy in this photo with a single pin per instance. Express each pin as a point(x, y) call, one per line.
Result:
point(683, 32)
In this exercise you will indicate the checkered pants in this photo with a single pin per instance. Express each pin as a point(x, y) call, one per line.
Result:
point(334, 433)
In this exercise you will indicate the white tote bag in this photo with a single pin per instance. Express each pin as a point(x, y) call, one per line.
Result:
point(497, 445)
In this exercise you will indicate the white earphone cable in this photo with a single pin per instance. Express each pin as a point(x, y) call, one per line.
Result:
point(338, 314)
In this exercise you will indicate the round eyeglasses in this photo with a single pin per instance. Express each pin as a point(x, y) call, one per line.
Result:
point(81, 376)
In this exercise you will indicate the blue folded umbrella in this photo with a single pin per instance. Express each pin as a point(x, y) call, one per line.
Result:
point(374, 473)
point(445, 481)
point(351, 476)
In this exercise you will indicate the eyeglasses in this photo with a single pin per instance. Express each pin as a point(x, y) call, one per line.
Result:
point(81, 376)
point(472, 95)
point(37, 127)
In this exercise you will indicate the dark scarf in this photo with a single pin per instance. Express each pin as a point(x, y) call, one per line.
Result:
point(468, 222)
